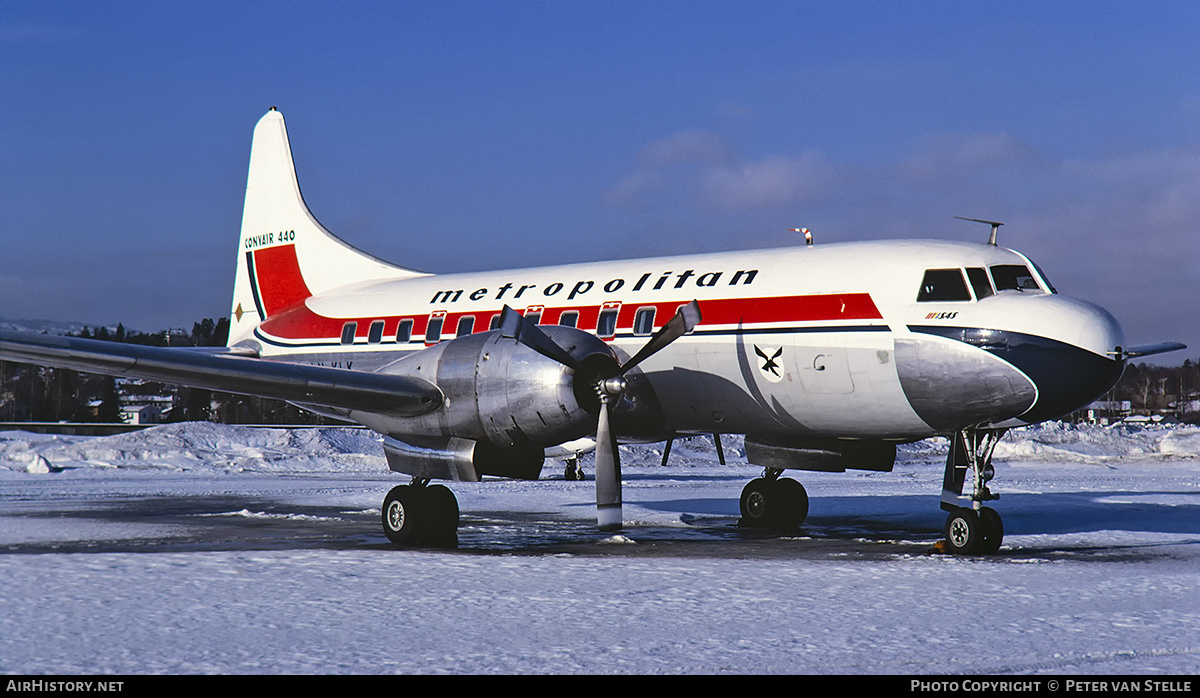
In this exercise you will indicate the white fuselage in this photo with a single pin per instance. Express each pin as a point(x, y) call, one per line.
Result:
point(829, 339)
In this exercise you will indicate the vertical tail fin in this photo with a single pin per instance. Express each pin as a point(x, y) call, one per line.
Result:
point(284, 254)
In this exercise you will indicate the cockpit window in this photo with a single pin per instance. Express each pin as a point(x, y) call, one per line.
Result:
point(979, 282)
point(943, 285)
point(1044, 279)
point(1014, 276)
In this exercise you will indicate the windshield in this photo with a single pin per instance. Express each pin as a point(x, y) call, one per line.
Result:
point(943, 285)
point(1014, 277)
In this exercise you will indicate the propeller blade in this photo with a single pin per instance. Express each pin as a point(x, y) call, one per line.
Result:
point(608, 473)
point(514, 325)
point(685, 319)
point(510, 323)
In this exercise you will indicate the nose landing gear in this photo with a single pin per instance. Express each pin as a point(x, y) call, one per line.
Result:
point(973, 529)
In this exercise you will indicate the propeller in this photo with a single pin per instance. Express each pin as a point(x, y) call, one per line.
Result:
point(609, 390)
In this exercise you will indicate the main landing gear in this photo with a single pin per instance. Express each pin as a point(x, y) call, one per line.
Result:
point(421, 514)
point(573, 470)
point(972, 529)
point(774, 502)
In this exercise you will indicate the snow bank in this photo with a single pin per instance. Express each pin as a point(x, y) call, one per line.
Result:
point(199, 445)
point(208, 446)
point(1087, 443)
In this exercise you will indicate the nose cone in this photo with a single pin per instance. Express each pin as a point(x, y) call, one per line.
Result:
point(1071, 364)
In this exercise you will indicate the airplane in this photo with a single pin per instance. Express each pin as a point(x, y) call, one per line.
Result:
point(824, 356)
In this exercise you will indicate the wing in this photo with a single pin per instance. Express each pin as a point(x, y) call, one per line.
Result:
point(228, 371)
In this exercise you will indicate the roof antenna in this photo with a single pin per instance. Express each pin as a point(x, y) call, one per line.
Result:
point(807, 234)
point(994, 224)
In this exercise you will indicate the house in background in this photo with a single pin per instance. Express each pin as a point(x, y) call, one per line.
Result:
point(141, 414)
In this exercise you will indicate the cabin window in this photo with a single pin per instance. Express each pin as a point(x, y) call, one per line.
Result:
point(643, 321)
point(606, 326)
point(535, 318)
point(433, 333)
point(569, 318)
point(466, 325)
point(1014, 276)
point(375, 334)
point(979, 282)
point(348, 331)
point(495, 322)
point(943, 285)
point(404, 331)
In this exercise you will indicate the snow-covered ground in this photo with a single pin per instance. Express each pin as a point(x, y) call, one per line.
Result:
point(202, 548)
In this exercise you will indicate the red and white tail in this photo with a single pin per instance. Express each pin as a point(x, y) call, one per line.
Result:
point(284, 254)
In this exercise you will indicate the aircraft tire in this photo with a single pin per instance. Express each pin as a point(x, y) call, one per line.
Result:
point(964, 532)
point(756, 503)
point(441, 508)
point(791, 500)
point(402, 514)
point(776, 504)
point(993, 531)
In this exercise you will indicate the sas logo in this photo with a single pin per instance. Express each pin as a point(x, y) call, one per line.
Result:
point(941, 316)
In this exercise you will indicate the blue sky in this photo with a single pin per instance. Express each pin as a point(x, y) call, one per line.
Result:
point(455, 136)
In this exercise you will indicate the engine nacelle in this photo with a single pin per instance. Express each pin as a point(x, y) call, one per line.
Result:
point(500, 391)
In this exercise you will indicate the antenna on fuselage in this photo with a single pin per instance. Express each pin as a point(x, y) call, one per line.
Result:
point(807, 234)
point(994, 224)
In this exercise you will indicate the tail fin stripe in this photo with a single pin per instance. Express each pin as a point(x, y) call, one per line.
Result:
point(258, 306)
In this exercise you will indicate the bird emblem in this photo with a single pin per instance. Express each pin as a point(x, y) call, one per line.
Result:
point(770, 366)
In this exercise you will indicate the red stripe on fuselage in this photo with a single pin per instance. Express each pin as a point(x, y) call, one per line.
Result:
point(280, 283)
point(302, 324)
point(822, 308)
